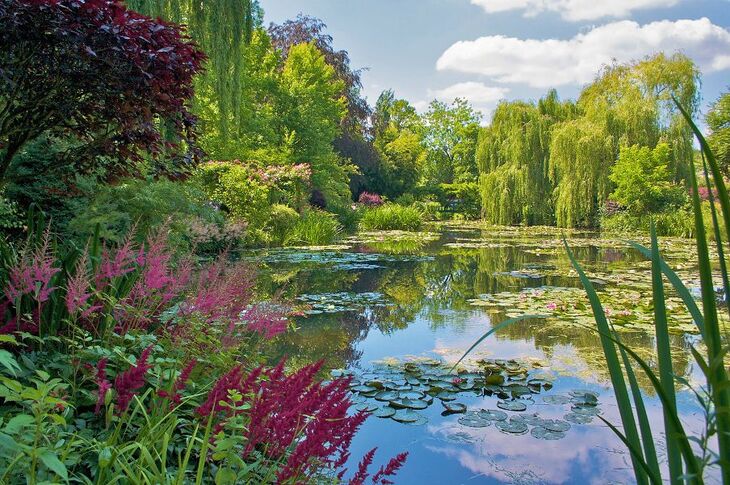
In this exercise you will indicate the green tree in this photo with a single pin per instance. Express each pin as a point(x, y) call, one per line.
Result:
point(312, 111)
point(450, 137)
point(513, 155)
point(643, 181)
point(718, 121)
point(628, 104)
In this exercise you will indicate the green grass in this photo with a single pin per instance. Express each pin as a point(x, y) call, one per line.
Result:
point(684, 466)
point(391, 217)
point(313, 228)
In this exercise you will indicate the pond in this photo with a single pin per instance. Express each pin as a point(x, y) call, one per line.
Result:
point(397, 310)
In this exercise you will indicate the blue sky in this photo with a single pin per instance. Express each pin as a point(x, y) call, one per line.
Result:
point(488, 50)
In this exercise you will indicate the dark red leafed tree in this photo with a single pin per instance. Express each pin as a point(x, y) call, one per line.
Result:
point(114, 81)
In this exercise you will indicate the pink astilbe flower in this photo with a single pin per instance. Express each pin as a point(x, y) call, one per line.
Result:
point(373, 200)
point(78, 290)
point(390, 469)
point(33, 273)
point(179, 384)
point(222, 292)
point(362, 468)
point(128, 383)
point(266, 319)
point(231, 381)
point(102, 383)
point(124, 260)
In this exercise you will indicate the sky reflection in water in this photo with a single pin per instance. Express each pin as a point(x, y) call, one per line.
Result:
point(428, 314)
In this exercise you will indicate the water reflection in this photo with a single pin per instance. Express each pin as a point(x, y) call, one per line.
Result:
point(427, 285)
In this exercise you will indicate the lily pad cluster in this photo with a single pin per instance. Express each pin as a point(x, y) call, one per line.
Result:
point(341, 302)
point(340, 258)
point(625, 307)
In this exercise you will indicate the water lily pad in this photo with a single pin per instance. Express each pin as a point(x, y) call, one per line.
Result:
point(408, 404)
point(546, 434)
point(445, 396)
point(411, 394)
point(556, 399)
point(555, 425)
point(578, 418)
point(512, 405)
point(512, 426)
point(585, 411)
point(363, 389)
point(384, 412)
point(530, 419)
point(454, 407)
point(492, 414)
point(406, 416)
point(387, 396)
point(473, 419)
point(367, 407)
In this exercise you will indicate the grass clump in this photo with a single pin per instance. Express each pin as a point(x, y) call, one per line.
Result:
point(313, 228)
point(389, 217)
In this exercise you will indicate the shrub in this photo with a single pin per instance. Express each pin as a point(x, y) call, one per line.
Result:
point(314, 228)
point(283, 220)
point(371, 200)
point(145, 205)
point(463, 198)
point(102, 75)
point(390, 217)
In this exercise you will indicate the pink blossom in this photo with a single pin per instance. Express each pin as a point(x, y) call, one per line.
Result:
point(32, 274)
point(102, 383)
point(128, 383)
point(551, 306)
point(390, 469)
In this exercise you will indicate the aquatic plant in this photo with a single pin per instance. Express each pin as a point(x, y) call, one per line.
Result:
point(391, 216)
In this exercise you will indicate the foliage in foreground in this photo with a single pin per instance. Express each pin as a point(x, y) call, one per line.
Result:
point(121, 363)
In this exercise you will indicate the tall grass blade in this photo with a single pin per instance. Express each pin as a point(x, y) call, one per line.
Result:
point(647, 440)
point(679, 287)
point(717, 380)
point(614, 367)
point(666, 369)
point(718, 236)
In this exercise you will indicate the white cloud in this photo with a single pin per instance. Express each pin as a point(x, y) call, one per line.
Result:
point(474, 92)
point(574, 10)
point(553, 62)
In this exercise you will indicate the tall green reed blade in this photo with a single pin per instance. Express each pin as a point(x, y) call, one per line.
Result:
point(666, 369)
point(716, 230)
point(647, 439)
point(679, 287)
point(717, 380)
point(690, 460)
point(497, 327)
point(614, 367)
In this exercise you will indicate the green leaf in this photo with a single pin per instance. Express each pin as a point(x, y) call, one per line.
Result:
point(8, 361)
point(18, 422)
point(51, 461)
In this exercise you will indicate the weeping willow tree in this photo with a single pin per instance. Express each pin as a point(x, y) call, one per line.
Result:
point(223, 29)
point(627, 105)
point(513, 156)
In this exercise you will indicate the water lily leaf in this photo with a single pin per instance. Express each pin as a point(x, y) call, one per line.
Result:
point(473, 419)
point(512, 426)
point(406, 416)
point(585, 410)
point(556, 425)
point(411, 394)
point(546, 434)
point(556, 399)
point(445, 396)
point(386, 396)
point(384, 412)
point(363, 389)
point(512, 405)
point(367, 407)
point(492, 414)
point(578, 418)
point(454, 407)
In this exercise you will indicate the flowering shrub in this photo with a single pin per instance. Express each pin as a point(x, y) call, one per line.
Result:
point(366, 198)
point(145, 356)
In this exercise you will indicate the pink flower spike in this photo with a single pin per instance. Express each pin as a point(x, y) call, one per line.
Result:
point(128, 383)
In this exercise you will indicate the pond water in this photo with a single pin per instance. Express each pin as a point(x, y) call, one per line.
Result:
point(396, 310)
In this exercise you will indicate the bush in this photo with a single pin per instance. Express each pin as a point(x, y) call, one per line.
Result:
point(146, 205)
point(283, 220)
point(463, 198)
point(391, 217)
point(314, 228)
point(368, 199)
point(676, 223)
